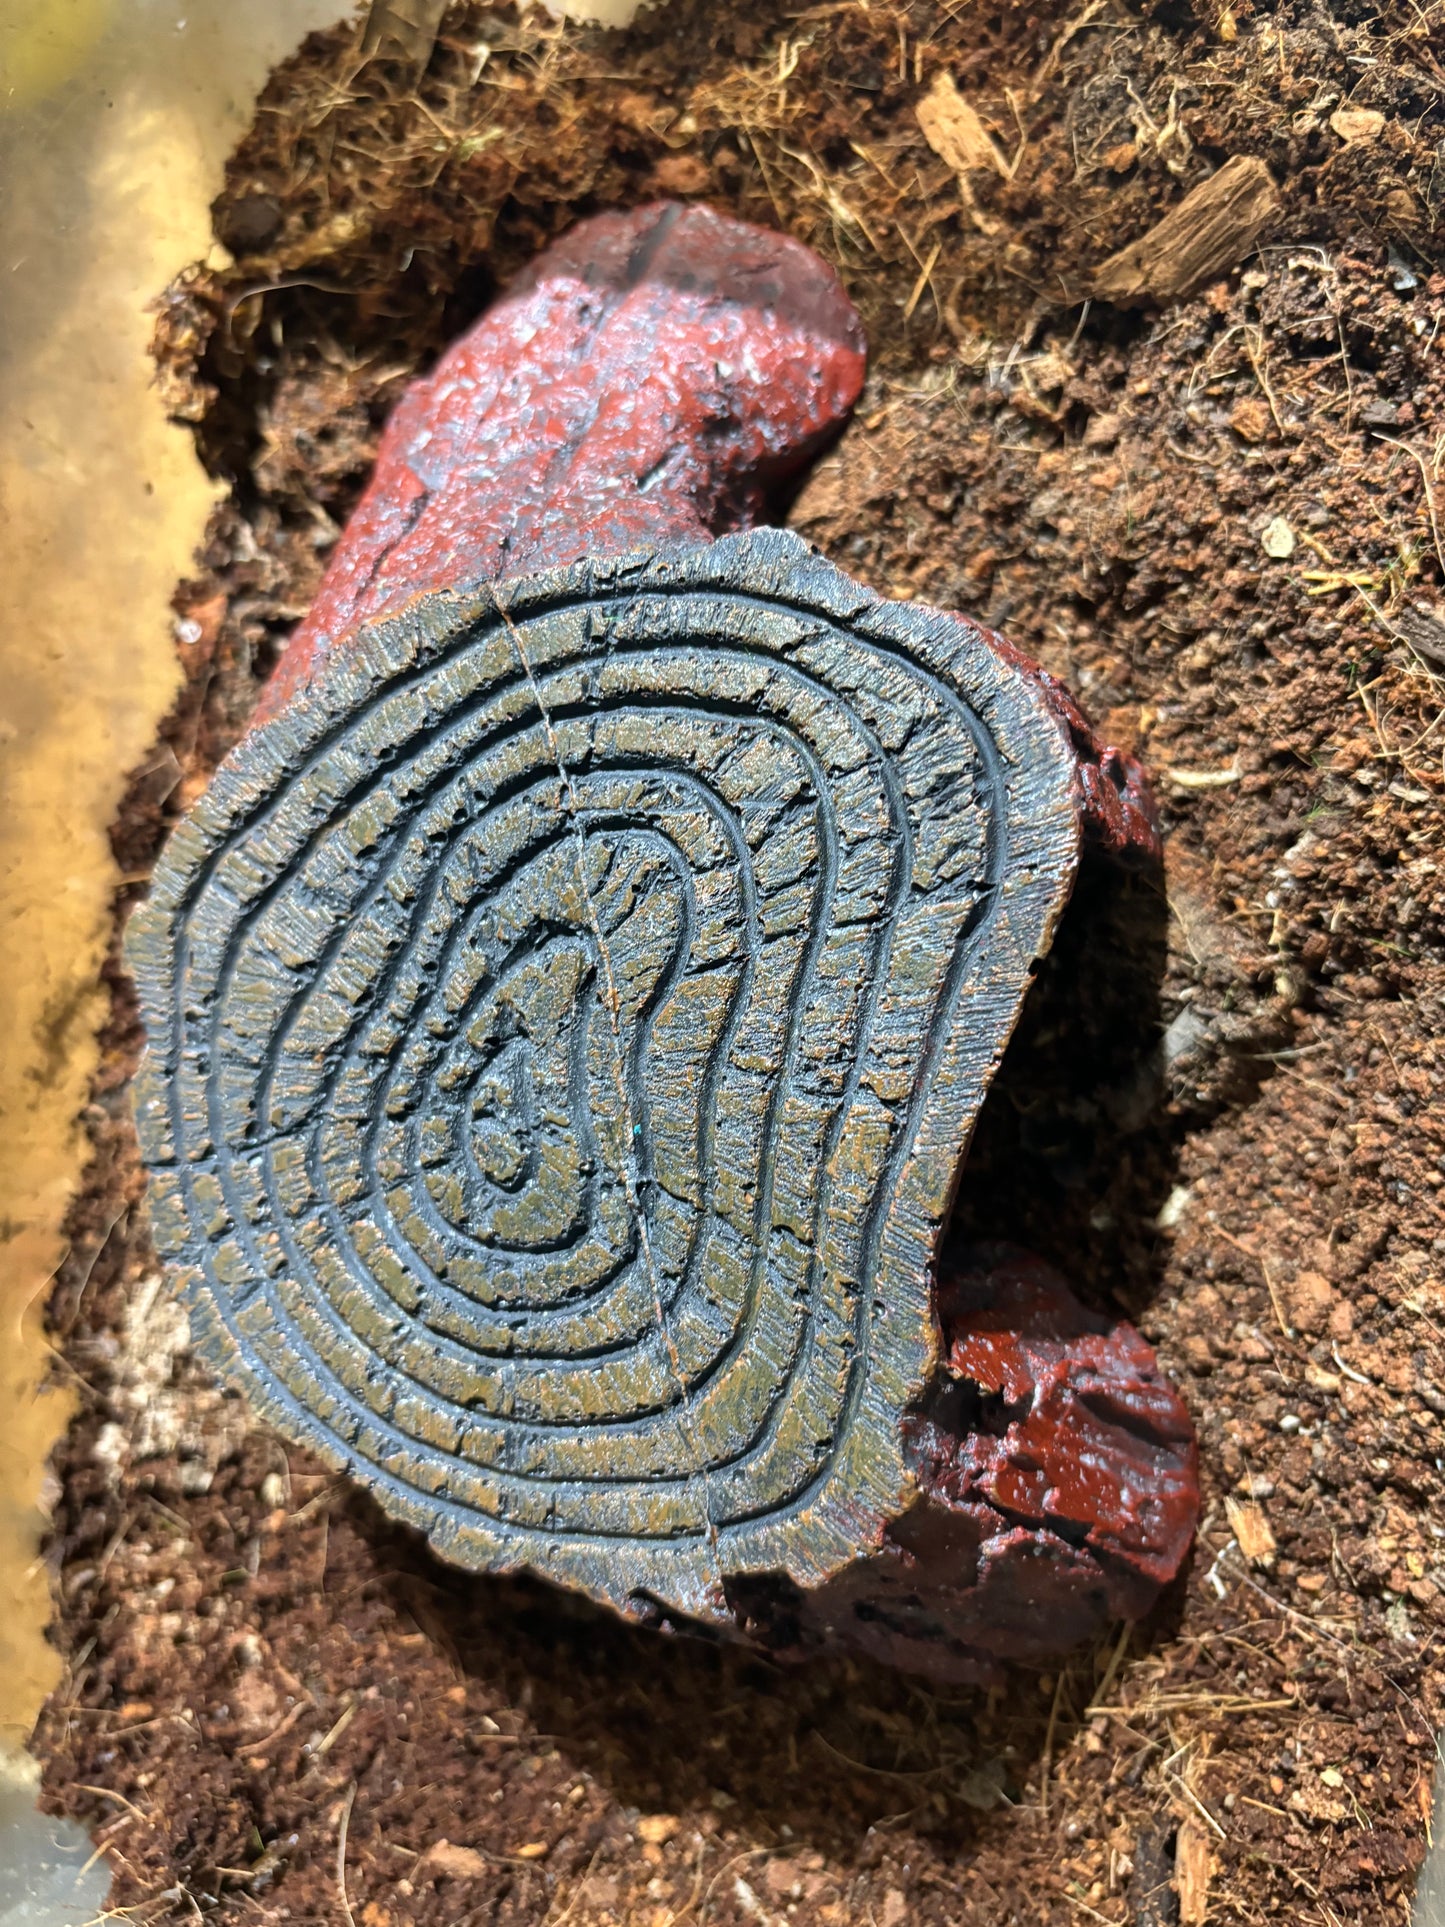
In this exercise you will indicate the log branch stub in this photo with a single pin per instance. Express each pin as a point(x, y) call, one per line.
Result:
point(652, 380)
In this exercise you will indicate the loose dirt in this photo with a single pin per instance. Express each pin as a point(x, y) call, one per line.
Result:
point(1220, 518)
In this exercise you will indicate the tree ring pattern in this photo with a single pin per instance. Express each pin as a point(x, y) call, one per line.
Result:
point(564, 1028)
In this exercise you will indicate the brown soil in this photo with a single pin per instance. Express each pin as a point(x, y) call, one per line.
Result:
point(1221, 521)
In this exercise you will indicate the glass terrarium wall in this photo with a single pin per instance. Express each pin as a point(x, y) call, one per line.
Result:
point(115, 118)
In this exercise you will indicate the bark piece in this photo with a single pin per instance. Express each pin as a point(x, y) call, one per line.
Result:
point(568, 1008)
point(1358, 126)
point(952, 128)
point(1207, 234)
point(1193, 1868)
point(1251, 1530)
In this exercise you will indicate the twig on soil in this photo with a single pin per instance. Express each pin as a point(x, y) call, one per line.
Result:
point(325, 1745)
point(1254, 347)
point(341, 1833)
point(1110, 1672)
point(1263, 1263)
point(1195, 1801)
point(1193, 1703)
point(1383, 1041)
point(1419, 460)
point(1046, 1766)
point(256, 1746)
point(1349, 379)
point(883, 1772)
point(1084, 1908)
point(1263, 1805)
point(1054, 55)
point(1348, 1370)
point(109, 1793)
point(580, 1888)
point(843, 216)
point(331, 1490)
point(736, 1861)
point(925, 280)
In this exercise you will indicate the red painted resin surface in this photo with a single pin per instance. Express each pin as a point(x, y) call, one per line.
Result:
point(651, 380)
point(1084, 1436)
point(1058, 1490)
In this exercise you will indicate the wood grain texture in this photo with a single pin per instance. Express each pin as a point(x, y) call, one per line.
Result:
point(1209, 232)
point(566, 1024)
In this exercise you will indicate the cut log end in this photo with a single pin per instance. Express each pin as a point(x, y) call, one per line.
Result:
point(565, 1026)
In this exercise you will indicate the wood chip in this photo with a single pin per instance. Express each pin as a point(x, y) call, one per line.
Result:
point(1250, 419)
point(1192, 1866)
point(1251, 1530)
point(1205, 779)
point(1309, 1299)
point(1208, 233)
point(458, 1863)
point(656, 1829)
point(954, 131)
point(1356, 126)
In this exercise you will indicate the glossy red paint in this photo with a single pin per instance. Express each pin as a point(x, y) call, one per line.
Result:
point(653, 379)
point(1058, 1491)
point(1081, 1434)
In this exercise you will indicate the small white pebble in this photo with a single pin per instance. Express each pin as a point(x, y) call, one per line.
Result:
point(1278, 540)
point(1172, 1211)
point(111, 1447)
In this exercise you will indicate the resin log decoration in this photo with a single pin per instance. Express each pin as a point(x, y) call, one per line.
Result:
point(569, 1006)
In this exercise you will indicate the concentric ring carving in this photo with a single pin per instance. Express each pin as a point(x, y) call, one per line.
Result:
point(564, 1029)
